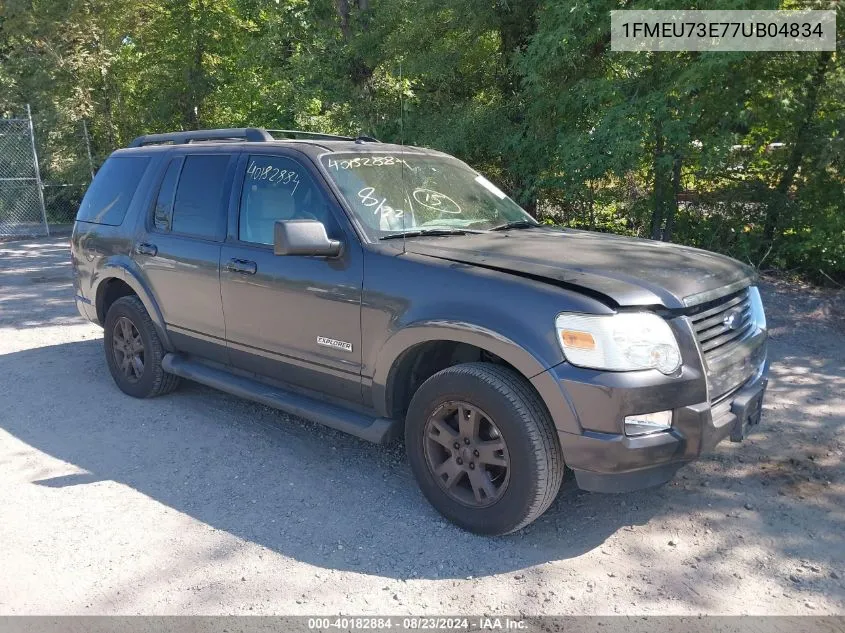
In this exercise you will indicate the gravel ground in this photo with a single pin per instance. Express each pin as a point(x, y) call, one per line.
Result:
point(201, 503)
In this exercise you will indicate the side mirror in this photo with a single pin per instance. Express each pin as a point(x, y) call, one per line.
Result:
point(303, 237)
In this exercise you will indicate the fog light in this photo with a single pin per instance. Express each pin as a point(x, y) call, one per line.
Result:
point(645, 423)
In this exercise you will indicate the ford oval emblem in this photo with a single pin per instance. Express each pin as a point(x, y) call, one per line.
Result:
point(733, 319)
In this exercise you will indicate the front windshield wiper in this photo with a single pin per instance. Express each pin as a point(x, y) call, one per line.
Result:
point(418, 232)
point(516, 224)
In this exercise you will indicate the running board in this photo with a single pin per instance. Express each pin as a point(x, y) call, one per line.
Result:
point(378, 430)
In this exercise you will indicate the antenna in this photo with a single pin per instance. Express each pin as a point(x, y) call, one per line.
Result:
point(402, 152)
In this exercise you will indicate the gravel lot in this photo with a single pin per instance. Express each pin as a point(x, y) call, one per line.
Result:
point(201, 503)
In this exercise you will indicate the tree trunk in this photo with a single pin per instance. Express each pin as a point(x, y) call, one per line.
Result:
point(108, 110)
point(673, 206)
point(197, 79)
point(195, 88)
point(657, 167)
point(799, 147)
point(517, 23)
point(342, 7)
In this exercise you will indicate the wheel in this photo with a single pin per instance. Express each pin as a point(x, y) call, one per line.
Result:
point(483, 448)
point(134, 351)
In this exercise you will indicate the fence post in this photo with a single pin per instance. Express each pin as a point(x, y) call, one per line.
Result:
point(37, 171)
point(88, 148)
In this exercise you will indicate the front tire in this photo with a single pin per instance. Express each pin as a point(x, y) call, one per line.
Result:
point(134, 351)
point(483, 448)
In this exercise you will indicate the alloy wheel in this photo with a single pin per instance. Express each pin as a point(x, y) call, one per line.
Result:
point(467, 454)
point(128, 349)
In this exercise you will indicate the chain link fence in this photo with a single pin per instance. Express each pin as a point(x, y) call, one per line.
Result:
point(43, 176)
point(22, 210)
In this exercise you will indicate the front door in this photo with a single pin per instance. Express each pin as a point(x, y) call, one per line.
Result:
point(293, 318)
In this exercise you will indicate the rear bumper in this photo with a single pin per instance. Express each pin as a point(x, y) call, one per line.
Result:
point(611, 462)
point(86, 309)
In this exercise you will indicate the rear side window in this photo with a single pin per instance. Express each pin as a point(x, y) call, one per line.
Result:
point(198, 206)
point(108, 197)
point(164, 202)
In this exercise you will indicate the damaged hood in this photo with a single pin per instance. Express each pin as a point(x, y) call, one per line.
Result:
point(627, 271)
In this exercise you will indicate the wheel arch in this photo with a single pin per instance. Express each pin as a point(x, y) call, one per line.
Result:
point(119, 280)
point(418, 351)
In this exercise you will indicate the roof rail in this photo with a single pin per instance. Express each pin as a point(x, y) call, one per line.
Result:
point(320, 135)
point(252, 134)
point(313, 135)
point(293, 134)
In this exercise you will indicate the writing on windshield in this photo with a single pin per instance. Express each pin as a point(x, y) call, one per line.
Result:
point(392, 193)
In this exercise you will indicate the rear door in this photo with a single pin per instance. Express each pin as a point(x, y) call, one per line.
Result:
point(178, 248)
point(293, 318)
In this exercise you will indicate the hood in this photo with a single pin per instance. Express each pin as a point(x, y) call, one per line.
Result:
point(628, 271)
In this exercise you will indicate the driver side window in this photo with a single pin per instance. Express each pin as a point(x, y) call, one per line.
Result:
point(278, 188)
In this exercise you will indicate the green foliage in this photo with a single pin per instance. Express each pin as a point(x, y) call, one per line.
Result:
point(737, 152)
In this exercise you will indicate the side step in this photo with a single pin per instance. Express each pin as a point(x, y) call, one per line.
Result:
point(378, 430)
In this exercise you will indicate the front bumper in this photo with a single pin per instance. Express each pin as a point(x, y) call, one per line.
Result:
point(612, 462)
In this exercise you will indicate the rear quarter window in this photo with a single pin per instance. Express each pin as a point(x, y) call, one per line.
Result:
point(108, 197)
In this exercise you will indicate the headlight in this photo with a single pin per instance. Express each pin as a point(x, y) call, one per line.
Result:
point(757, 313)
point(619, 342)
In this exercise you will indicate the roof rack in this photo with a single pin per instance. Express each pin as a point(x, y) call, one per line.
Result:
point(250, 134)
point(315, 135)
point(320, 135)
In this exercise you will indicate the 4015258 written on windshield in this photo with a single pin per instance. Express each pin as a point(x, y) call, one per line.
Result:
point(365, 161)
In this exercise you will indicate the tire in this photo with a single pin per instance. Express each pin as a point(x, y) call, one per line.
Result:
point(513, 420)
point(148, 380)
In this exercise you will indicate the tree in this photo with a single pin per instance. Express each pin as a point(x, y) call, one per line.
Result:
point(740, 152)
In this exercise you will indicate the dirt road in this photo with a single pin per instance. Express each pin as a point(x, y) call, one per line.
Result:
point(199, 502)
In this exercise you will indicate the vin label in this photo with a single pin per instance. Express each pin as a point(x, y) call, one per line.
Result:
point(694, 30)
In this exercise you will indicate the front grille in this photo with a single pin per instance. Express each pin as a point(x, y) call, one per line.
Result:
point(732, 346)
point(716, 335)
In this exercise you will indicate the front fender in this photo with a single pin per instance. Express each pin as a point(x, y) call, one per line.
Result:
point(551, 391)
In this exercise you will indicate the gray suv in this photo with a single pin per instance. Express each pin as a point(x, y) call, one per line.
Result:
point(389, 290)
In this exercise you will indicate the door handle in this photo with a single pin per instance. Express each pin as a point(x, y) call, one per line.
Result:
point(146, 249)
point(242, 266)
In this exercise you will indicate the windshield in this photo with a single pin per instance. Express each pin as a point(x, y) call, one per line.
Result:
point(392, 193)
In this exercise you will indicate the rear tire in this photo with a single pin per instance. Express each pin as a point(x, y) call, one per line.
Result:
point(483, 448)
point(134, 351)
